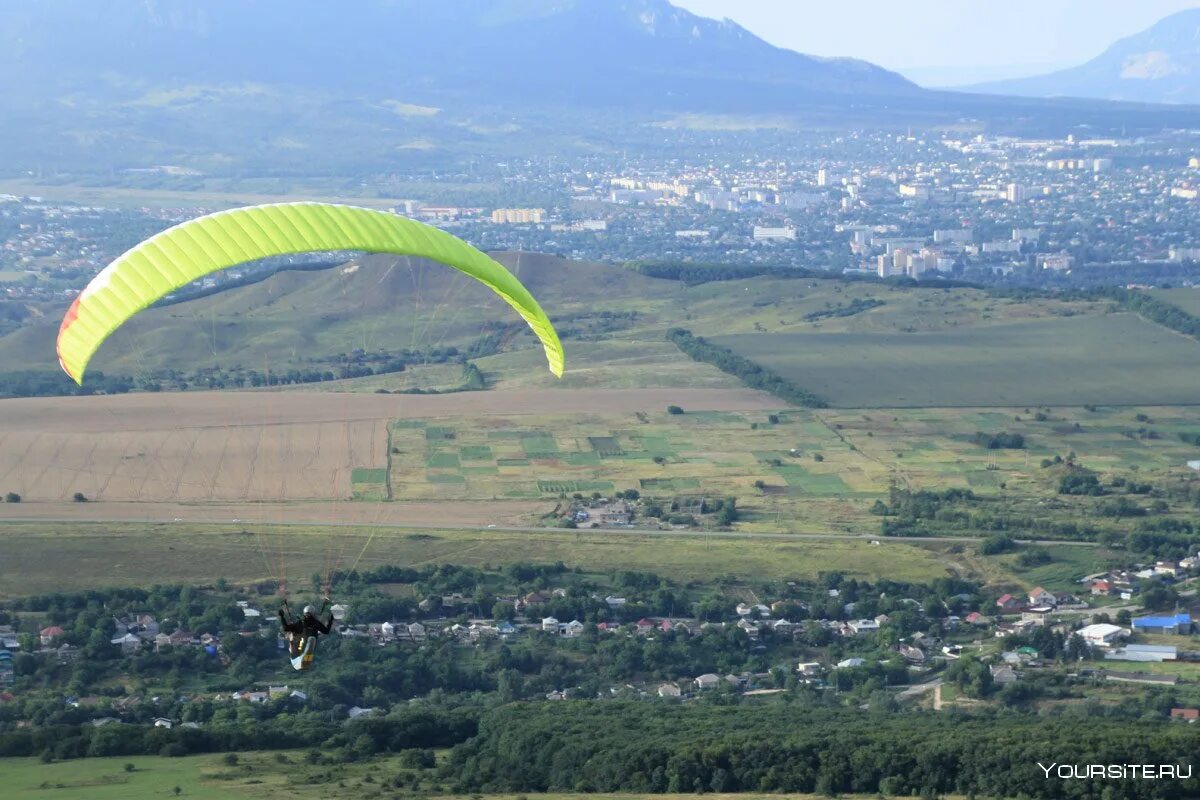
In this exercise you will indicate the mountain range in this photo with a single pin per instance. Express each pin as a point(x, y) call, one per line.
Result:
point(645, 53)
point(281, 88)
point(1158, 65)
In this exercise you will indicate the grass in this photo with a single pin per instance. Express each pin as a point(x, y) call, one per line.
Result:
point(1116, 359)
point(257, 776)
point(47, 557)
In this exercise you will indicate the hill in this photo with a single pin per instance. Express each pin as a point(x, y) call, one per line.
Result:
point(852, 344)
point(1158, 65)
point(375, 303)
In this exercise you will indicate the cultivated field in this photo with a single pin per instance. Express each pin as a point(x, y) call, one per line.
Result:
point(255, 447)
point(1115, 359)
point(1187, 299)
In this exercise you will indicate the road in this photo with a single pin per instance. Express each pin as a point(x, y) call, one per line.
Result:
point(401, 516)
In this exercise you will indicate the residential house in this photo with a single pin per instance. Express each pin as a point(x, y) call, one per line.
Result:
point(49, 635)
point(850, 663)
point(357, 711)
point(860, 626)
point(1041, 597)
point(913, 655)
point(1168, 569)
point(1009, 604)
point(572, 629)
point(128, 643)
point(339, 611)
point(182, 638)
point(251, 697)
point(1186, 714)
point(744, 609)
point(751, 628)
point(1003, 674)
point(615, 602)
point(809, 669)
point(163, 722)
point(669, 690)
point(618, 513)
point(975, 618)
point(1102, 588)
point(550, 625)
point(161, 641)
point(644, 626)
point(707, 681)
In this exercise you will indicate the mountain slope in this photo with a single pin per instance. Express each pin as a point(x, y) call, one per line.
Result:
point(1158, 65)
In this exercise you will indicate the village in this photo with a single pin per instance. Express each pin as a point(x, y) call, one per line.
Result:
point(829, 641)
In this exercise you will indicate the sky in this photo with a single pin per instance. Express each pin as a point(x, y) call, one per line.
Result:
point(946, 42)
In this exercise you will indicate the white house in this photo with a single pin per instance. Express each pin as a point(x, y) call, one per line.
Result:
point(707, 681)
point(851, 662)
point(550, 625)
point(863, 626)
point(669, 690)
point(572, 629)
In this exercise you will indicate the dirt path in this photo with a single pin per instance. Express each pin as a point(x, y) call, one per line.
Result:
point(173, 411)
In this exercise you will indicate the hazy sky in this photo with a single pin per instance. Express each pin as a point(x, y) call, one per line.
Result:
point(972, 35)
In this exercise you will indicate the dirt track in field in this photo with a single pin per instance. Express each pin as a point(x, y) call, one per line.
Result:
point(255, 447)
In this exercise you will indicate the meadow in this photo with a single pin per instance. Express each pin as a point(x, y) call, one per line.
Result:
point(282, 775)
point(45, 557)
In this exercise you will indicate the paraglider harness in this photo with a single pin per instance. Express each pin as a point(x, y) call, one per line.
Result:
point(301, 634)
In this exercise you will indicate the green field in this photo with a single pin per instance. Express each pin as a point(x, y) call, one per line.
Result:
point(46, 557)
point(1117, 359)
point(257, 776)
point(1187, 299)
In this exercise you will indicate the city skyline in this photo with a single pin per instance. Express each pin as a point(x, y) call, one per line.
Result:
point(924, 41)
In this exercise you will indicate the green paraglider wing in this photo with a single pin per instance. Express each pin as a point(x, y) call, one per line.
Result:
point(180, 255)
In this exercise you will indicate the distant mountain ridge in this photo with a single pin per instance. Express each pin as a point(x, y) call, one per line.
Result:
point(576, 52)
point(1158, 65)
point(286, 89)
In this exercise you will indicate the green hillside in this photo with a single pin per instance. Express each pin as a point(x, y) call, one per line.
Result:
point(855, 344)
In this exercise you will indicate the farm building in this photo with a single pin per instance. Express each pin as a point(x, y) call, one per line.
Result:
point(1143, 652)
point(1102, 634)
point(1174, 623)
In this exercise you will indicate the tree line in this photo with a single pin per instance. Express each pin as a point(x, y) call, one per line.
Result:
point(751, 374)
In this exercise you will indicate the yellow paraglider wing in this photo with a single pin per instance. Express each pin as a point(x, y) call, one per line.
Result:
point(186, 252)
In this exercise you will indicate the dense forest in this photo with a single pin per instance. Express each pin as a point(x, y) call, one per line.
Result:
point(620, 747)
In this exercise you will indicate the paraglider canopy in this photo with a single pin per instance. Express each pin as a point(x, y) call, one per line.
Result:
point(177, 256)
